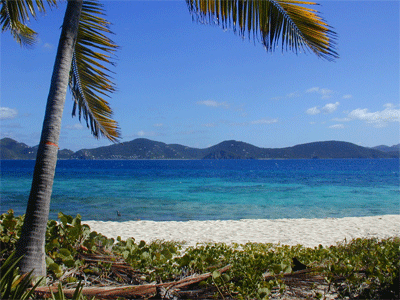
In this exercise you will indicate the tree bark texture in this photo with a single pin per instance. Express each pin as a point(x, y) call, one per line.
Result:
point(32, 240)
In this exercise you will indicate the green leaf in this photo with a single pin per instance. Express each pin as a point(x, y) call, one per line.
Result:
point(226, 277)
point(264, 292)
point(64, 252)
point(89, 76)
point(216, 274)
point(145, 256)
point(49, 261)
point(166, 253)
point(54, 267)
point(290, 24)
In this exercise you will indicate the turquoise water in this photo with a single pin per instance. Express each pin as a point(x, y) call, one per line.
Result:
point(183, 190)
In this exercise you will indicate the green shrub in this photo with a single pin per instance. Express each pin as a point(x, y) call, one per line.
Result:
point(12, 284)
point(367, 268)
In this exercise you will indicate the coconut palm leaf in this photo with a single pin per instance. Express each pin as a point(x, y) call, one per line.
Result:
point(15, 13)
point(299, 28)
point(89, 78)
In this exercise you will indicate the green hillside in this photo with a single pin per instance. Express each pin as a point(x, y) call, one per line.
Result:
point(148, 149)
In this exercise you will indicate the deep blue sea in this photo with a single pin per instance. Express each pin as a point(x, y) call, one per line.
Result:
point(180, 190)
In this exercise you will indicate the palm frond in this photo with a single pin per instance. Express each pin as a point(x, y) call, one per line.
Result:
point(299, 28)
point(15, 13)
point(89, 77)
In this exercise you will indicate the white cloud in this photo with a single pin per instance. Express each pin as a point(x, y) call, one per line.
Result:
point(276, 98)
point(293, 95)
point(325, 93)
point(11, 126)
point(76, 126)
point(48, 46)
point(256, 122)
point(158, 125)
point(341, 119)
point(378, 118)
point(313, 111)
point(142, 133)
point(389, 105)
point(337, 126)
point(7, 113)
point(264, 121)
point(212, 103)
point(330, 107)
point(313, 90)
point(347, 96)
point(287, 96)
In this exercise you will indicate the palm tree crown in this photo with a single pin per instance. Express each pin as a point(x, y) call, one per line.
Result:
point(270, 21)
point(89, 79)
point(14, 14)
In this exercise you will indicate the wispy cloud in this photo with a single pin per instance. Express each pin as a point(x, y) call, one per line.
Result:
point(48, 46)
point(7, 113)
point(293, 95)
point(76, 126)
point(210, 125)
point(337, 126)
point(158, 125)
point(327, 109)
point(256, 122)
point(330, 107)
point(212, 103)
point(347, 96)
point(313, 111)
point(142, 133)
point(277, 98)
point(287, 96)
point(264, 121)
point(325, 93)
point(11, 126)
point(378, 118)
point(341, 119)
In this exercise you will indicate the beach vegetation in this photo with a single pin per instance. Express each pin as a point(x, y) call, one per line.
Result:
point(84, 54)
point(358, 269)
point(12, 284)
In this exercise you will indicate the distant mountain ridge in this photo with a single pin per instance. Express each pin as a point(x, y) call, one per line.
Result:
point(148, 149)
point(383, 148)
point(11, 149)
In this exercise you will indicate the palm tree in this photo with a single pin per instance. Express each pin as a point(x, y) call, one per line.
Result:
point(80, 67)
point(84, 48)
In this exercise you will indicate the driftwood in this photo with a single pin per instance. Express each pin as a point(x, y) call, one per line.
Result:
point(134, 291)
point(304, 284)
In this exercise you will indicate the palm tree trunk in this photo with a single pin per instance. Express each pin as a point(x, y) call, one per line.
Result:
point(32, 240)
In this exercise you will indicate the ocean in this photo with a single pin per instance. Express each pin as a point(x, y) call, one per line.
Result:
point(181, 190)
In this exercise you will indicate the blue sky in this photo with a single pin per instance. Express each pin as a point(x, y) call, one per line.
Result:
point(198, 85)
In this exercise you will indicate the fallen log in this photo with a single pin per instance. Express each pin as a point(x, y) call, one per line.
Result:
point(129, 291)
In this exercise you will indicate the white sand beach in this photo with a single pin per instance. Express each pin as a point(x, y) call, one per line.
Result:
point(307, 232)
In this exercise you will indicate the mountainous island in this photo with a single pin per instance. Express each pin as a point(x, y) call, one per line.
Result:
point(148, 149)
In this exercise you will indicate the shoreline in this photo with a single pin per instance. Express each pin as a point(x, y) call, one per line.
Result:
point(307, 232)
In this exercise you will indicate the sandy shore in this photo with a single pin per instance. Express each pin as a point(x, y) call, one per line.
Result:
point(307, 232)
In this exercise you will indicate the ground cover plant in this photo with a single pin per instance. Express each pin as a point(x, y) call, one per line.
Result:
point(77, 257)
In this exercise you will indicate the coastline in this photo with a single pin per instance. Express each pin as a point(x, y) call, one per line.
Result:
point(307, 232)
